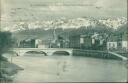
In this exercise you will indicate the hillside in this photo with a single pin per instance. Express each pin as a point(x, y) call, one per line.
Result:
point(48, 34)
point(65, 23)
point(67, 27)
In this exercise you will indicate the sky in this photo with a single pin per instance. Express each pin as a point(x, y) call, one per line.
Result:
point(31, 10)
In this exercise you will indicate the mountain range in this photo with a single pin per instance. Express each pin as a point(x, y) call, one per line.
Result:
point(86, 25)
point(64, 23)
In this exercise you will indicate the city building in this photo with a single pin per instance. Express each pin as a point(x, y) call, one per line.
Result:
point(80, 41)
point(41, 43)
point(27, 43)
point(123, 38)
point(118, 42)
point(74, 41)
point(90, 42)
point(98, 41)
point(38, 42)
point(124, 41)
point(112, 43)
point(85, 42)
point(60, 42)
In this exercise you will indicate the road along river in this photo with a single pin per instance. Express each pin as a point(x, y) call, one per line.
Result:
point(38, 68)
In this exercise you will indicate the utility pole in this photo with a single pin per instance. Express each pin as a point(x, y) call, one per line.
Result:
point(127, 35)
point(0, 31)
point(54, 34)
point(0, 14)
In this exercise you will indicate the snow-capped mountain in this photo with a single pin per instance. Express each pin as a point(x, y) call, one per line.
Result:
point(67, 23)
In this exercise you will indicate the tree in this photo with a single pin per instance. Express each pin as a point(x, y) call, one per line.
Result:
point(5, 44)
point(5, 41)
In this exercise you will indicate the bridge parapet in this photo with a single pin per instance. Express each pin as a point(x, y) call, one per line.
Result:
point(48, 51)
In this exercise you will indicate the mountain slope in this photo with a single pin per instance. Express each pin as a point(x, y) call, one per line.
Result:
point(67, 23)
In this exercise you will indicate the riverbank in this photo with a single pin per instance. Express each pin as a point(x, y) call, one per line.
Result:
point(98, 54)
point(8, 70)
point(103, 54)
point(123, 53)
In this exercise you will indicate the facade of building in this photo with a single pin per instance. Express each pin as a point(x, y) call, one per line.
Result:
point(112, 43)
point(38, 42)
point(28, 43)
point(89, 42)
point(124, 45)
point(85, 41)
point(125, 41)
point(60, 42)
point(74, 41)
point(80, 42)
point(41, 43)
point(118, 42)
point(98, 41)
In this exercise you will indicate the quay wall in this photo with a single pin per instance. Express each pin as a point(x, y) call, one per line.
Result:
point(96, 54)
point(125, 54)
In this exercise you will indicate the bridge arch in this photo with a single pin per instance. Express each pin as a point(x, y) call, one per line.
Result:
point(46, 51)
point(61, 53)
point(36, 52)
point(42, 52)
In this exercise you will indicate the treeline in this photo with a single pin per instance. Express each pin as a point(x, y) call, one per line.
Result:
point(5, 44)
point(5, 41)
point(47, 34)
point(100, 29)
point(7, 69)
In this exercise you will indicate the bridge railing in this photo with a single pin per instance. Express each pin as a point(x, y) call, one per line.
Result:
point(43, 48)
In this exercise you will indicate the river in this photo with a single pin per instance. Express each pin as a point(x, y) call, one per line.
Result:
point(38, 68)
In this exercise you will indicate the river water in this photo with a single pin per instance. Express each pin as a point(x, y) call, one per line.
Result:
point(38, 68)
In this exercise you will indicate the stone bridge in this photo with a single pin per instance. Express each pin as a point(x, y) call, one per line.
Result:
point(46, 51)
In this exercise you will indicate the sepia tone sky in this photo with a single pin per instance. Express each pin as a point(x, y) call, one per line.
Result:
point(15, 10)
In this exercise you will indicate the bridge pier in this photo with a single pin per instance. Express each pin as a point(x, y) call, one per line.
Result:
point(49, 54)
point(20, 53)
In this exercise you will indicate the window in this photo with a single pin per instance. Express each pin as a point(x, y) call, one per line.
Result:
point(113, 45)
point(109, 44)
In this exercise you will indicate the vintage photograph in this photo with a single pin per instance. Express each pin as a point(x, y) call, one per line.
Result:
point(63, 41)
